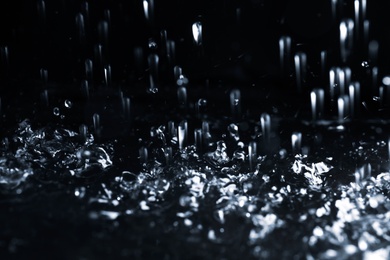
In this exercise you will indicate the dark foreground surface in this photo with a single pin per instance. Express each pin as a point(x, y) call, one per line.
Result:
point(148, 130)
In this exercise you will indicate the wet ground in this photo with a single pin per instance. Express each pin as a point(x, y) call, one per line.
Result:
point(138, 130)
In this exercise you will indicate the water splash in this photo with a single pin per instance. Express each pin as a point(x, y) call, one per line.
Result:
point(38, 152)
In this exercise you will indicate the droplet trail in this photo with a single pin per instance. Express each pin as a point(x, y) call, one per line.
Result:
point(317, 98)
point(235, 103)
point(300, 61)
point(296, 142)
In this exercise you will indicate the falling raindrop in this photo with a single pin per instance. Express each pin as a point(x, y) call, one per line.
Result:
point(197, 33)
point(317, 97)
point(346, 38)
point(56, 111)
point(235, 103)
point(300, 61)
point(68, 103)
point(296, 141)
point(284, 54)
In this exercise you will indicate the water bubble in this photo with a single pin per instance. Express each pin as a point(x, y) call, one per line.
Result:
point(365, 64)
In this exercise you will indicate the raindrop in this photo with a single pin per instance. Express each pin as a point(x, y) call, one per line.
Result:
point(252, 155)
point(56, 111)
point(235, 103)
point(182, 96)
point(88, 69)
point(354, 97)
point(83, 130)
point(80, 27)
point(198, 139)
point(126, 107)
point(346, 38)
point(68, 103)
point(107, 75)
point(45, 98)
point(300, 61)
point(148, 6)
point(343, 107)
point(284, 54)
point(265, 121)
point(201, 107)
point(41, 8)
point(153, 61)
point(44, 75)
point(324, 63)
point(233, 132)
point(5, 57)
point(152, 44)
point(296, 141)
point(317, 97)
point(182, 133)
point(96, 124)
point(103, 32)
point(197, 33)
point(85, 88)
point(143, 155)
point(373, 49)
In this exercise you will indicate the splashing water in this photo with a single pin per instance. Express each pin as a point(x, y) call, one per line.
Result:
point(49, 150)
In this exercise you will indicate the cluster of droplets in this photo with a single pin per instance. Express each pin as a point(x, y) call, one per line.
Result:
point(48, 153)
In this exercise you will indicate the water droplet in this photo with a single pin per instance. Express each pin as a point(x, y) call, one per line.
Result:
point(197, 33)
point(80, 192)
point(68, 103)
point(152, 44)
point(56, 111)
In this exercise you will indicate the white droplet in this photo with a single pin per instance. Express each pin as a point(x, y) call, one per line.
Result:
point(68, 103)
point(56, 111)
